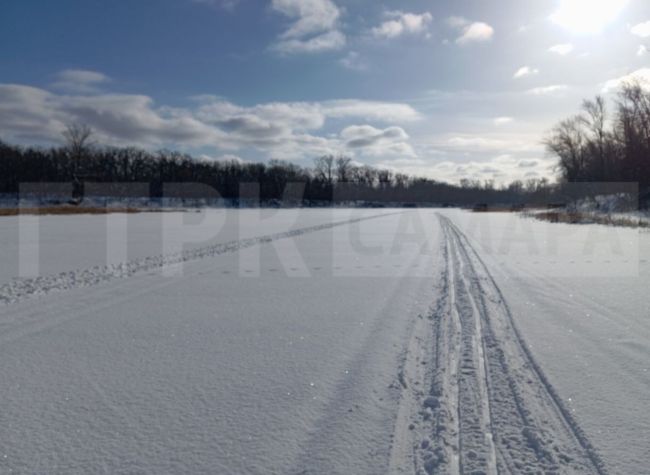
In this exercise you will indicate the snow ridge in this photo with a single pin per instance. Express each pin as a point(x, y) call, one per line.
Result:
point(490, 409)
point(22, 289)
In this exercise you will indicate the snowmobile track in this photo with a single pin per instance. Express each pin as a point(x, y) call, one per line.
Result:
point(490, 407)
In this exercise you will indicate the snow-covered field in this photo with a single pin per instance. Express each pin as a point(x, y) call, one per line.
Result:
point(322, 341)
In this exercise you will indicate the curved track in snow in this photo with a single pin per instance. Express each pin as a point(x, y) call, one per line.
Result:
point(490, 409)
point(22, 289)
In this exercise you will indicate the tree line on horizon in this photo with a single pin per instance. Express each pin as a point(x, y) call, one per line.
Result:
point(590, 148)
point(330, 178)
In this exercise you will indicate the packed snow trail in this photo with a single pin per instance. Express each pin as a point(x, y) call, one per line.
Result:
point(490, 408)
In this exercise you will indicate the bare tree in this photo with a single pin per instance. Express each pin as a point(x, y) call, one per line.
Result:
point(633, 129)
point(566, 141)
point(595, 119)
point(402, 180)
point(324, 168)
point(77, 137)
point(384, 176)
point(343, 168)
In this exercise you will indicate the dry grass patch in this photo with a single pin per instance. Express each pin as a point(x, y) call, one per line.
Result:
point(575, 217)
point(71, 210)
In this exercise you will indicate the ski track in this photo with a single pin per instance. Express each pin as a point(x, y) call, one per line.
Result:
point(489, 408)
point(22, 289)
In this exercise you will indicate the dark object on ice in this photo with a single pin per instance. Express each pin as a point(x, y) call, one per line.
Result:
point(79, 181)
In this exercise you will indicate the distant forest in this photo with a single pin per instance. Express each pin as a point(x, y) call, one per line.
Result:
point(591, 147)
point(331, 179)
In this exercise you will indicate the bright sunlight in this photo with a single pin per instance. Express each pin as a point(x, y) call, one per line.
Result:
point(587, 16)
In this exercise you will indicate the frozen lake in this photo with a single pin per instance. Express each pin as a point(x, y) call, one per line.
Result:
point(322, 341)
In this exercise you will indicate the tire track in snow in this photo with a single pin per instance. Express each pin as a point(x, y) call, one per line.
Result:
point(497, 412)
point(22, 289)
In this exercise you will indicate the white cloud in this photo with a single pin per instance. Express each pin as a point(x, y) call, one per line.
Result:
point(370, 110)
point(640, 75)
point(485, 142)
point(525, 71)
point(503, 169)
point(562, 49)
point(285, 116)
point(315, 26)
point(353, 61)
point(29, 114)
point(642, 29)
point(312, 16)
point(642, 51)
point(527, 163)
point(476, 32)
point(366, 135)
point(79, 81)
point(474, 143)
point(547, 90)
point(403, 23)
point(372, 141)
point(502, 120)
point(331, 40)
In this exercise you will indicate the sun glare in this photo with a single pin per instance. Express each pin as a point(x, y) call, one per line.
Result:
point(587, 16)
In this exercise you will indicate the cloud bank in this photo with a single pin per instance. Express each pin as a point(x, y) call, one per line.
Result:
point(314, 28)
point(288, 130)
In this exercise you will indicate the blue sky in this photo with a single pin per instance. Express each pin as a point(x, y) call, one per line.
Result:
point(448, 89)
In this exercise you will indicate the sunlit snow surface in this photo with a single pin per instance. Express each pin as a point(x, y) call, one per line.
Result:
point(294, 341)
